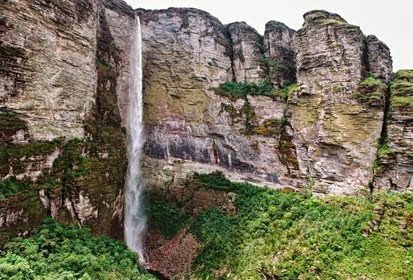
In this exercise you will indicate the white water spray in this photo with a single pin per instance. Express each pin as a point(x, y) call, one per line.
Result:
point(135, 220)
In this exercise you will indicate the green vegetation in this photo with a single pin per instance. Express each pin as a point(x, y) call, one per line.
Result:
point(402, 90)
point(332, 21)
point(9, 51)
point(69, 168)
point(11, 186)
point(250, 118)
point(269, 128)
point(19, 155)
point(56, 252)
point(402, 102)
point(287, 92)
point(165, 218)
point(215, 180)
point(280, 235)
point(401, 87)
point(236, 90)
point(384, 150)
point(372, 91)
point(384, 153)
point(404, 74)
point(10, 123)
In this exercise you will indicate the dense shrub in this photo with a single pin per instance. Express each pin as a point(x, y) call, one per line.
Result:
point(57, 252)
point(280, 235)
point(242, 89)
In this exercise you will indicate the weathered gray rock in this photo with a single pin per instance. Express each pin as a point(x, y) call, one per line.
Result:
point(246, 50)
point(69, 76)
point(394, 165)
point(334, 134)
point(279, 53)
point(380, 63)
point(330, 56)
point(120, 20)
point(186, 56)
point(63, 68)
point(48, 72)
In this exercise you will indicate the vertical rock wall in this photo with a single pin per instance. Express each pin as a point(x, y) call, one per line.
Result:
point(64, 98)
point(48, 64)
point(246, 50)
point(394, 162)
point(279, 53)
point(334, 133)
point(73, 63)
point(380, 63)
point(187, 55)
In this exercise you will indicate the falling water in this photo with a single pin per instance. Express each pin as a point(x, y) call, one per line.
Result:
point(135, 220)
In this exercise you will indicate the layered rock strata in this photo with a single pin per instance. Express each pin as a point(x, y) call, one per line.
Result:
point(47, 64)
point(335, 134)
point(279, 53)
point(247, 46)
point(64, 97)
point(62, 148)
point(190, 127)
point(394, 162)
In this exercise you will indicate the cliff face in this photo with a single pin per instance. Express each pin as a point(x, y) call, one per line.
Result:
point(335, 133)
point(247, 45)
point(322, 135)
point(62, 148)
point(394, 162)
point(190, 127)
point(48, 72)
point(318, 108)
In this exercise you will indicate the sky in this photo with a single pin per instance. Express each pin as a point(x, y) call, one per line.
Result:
point(391, 21)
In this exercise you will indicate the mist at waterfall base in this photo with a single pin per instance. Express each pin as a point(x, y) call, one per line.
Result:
point(135, 220)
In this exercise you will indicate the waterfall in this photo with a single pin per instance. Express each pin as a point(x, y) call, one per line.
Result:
point(135, 220)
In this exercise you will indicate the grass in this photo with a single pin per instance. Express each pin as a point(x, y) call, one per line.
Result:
point(287, 92)
point(401, 87)
point(277, 235)
point(402, 102)
point(384, 153)
point(402, 90)
point(384, 150)
point(404, 74)
point(57, 252)
point(372, 91)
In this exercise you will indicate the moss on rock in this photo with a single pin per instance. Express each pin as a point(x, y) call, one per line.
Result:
point(402, 90)
point(372, 91)
point(10, 124)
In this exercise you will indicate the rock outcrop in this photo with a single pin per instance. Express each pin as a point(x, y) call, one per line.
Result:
point(394, 162)
point(48, 74)
point(279, 53)
point(380, 63)
point(62, 147)
point(247, 46)
point(307, 109)
point(187, 55)
point(335, 134)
